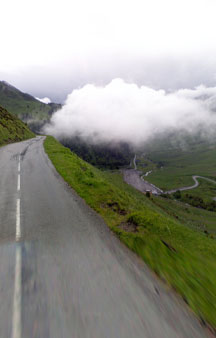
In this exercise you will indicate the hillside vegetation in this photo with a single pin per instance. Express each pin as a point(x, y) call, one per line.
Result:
point(12, 129)
point(103, 155)
point(182, 256)
point(25, 106)
point(173, 163)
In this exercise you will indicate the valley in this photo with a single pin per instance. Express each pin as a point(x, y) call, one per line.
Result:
point(186, 196)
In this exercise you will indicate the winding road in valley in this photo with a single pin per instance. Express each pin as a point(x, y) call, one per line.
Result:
point(135, 178)
point(134, 162)
point(195, 185)
point(63, 272)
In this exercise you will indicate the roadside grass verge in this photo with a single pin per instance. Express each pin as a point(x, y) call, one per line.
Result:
point(183, 257)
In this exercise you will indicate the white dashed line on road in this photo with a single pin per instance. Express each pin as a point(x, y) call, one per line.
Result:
point(18, 230)
point(19, 164)
point(16, 324)
point(18, 183)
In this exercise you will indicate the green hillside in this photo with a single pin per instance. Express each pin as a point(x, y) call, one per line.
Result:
point(25, 106)
point(103, 155)
point(173, 168)
point(12, 129)
point(175, 247)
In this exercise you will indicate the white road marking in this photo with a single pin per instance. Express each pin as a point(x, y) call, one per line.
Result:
point(18, 182)
point(18, 231)
point(19, 164)
point(16, 325)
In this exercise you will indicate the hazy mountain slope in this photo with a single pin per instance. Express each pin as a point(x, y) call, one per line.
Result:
point(12, 129)
point(103, 155)
point(25, 106)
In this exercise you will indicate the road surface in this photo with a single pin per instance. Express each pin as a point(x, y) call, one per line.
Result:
point(134, 162)
point(63, 273)
point(132, 177)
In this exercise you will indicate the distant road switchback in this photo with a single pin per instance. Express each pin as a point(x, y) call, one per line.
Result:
point(132, 177)
point(63, 274)
point(195, 185)
point(135, 178)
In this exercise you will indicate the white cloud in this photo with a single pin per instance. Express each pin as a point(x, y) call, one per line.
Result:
point(44, 100)
point(123, 111)
point(81, 30)
point(51, 47)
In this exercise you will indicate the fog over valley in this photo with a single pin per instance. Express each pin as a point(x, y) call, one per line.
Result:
point(125, 112)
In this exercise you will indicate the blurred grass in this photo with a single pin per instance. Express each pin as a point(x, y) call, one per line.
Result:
point(183, 257)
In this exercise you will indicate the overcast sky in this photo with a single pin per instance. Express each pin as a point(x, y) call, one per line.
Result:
point(50, 47)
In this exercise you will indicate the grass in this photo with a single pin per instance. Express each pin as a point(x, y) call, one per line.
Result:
point(206, 190)
point(12, 129)
point(178, 166)
point(181, 255)
point(194, 218)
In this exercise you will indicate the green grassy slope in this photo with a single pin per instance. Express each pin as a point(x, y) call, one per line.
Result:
point(179, 166)
point(182, 256)
point(25, 106)
point(104, 155)
point(173, 165)
point(198, 219)
point(12, 129)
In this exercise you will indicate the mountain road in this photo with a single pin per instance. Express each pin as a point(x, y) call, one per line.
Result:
point(63, 273)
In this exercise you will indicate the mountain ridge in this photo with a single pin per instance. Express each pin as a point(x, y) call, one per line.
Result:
point(25, 106)
point(12, 129)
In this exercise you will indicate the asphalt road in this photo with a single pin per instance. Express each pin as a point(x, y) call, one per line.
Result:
point(63, 274)
point(134, 178)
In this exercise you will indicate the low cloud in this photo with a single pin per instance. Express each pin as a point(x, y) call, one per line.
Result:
point(121, 111)
point(44, 100)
